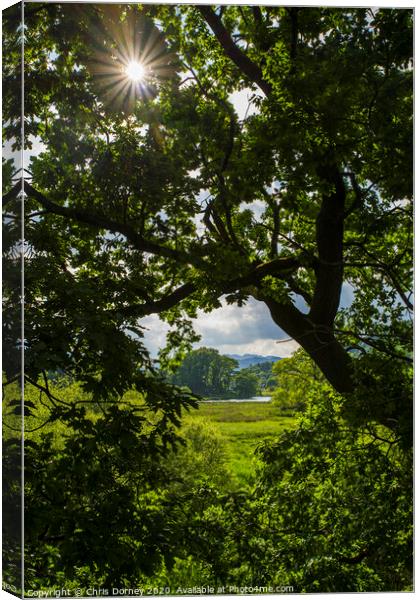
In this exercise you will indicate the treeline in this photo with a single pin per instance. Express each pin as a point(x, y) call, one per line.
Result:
point(208, 373)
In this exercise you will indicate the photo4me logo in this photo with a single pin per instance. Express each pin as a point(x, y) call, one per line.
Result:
point(259, 589)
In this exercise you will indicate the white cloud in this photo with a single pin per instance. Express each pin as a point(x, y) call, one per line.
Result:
point(263, 347)
point(236, 330)
point(230, 329)
point(154, 334)
point(257, 207)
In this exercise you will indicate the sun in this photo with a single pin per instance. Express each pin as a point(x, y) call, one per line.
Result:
point(135, 71)
point(131, 59)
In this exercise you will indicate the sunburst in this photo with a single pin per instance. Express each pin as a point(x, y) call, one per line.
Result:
point(135, 71)
point(133, 58)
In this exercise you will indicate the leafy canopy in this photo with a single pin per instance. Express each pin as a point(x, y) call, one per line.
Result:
point(161, 199)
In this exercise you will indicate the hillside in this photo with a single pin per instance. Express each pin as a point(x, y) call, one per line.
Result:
point(247, 360)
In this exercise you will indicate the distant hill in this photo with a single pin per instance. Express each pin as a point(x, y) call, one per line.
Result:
point(247, 360)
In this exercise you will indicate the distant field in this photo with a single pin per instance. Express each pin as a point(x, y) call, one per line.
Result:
point(245, 425)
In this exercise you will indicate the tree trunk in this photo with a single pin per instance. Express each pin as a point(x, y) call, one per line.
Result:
point(318, 341)
point(332, 359)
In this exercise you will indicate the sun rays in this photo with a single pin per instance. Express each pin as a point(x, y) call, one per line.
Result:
point(131, 59)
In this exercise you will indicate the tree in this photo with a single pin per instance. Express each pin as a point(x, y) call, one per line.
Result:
point(245, 384)
point(206, 372)
point(264, 373)
point(295, 377)
point(113, 203)
point(144, 201)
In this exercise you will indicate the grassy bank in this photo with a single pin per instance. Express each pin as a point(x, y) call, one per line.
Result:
point(244, 425)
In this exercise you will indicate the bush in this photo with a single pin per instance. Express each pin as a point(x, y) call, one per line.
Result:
point(203, 458)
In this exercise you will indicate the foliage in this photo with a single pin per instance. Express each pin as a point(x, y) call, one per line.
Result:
point(265, 374)
point(245, 384)
point(203, 458)
point(91, 476)
point(331, 510)
point(206, 372)
point(385, 388)
point(306, 523)
point(295, 376)
point(159, 198)
point(315, 484)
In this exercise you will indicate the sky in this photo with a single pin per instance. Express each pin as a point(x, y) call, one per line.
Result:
point(235, 330)
point(230, 329)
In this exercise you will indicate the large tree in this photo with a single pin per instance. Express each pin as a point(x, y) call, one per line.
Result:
point(161, 197)
point(156, 197)
point(206, 372)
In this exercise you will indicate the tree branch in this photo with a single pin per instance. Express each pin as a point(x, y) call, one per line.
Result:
point(386, 269)
point(318, 341)
point(298, 289)
point(241, 60)
point(358, 195)
point(293, 13)
point(103, 222)
point(280, 267)
point(164, 303)
point(275, 209)
point(369, 341)
point(257, 15)
point(12, 194)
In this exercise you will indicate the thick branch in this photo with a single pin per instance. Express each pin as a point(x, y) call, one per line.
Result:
point(319, 342)
point(165, 303)
point(280, 267)
point(257, 15)
point(275, 208)
point(12, 194)
point(219, 225)
point(358, 195)
point(293, 13)
point(103, 222)
point(241, 60)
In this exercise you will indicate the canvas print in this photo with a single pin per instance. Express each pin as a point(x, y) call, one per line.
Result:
point(208, 299)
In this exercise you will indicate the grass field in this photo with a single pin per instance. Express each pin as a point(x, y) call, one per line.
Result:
point(245, 425)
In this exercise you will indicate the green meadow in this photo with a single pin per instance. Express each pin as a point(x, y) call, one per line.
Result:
point(244, 426)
